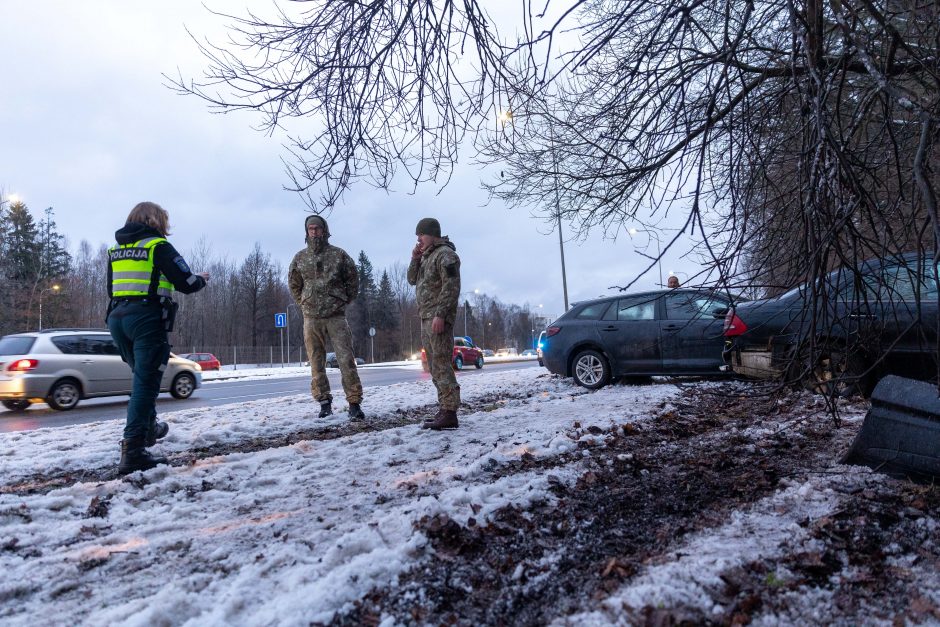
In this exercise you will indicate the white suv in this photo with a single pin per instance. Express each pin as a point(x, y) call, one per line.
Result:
point(62, 366)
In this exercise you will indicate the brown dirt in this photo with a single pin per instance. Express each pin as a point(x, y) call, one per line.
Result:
point(639, 496)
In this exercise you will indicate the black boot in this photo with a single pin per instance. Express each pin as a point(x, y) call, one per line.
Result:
point(157, 431)
point(355, 412)
point(135, 457)
point(326, 409)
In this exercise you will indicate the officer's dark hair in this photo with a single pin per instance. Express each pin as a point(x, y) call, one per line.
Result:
point(151, 214)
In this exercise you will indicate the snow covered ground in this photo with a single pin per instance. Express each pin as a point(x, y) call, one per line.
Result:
point(296, 534)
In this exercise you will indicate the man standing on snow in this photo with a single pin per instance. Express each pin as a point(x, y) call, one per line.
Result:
point(435, 272)
point(323, 280)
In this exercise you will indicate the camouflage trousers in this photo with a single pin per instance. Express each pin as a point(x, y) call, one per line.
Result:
point(316, 332)
point(439, 348)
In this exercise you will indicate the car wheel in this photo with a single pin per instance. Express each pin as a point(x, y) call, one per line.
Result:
point(64, 395)
point(479, 362)
point(17, 405)
point(183, 386)
point(591, 370)
point(458, 362)
point(833, 370)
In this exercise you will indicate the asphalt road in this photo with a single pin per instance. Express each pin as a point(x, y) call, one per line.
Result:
point(215, 394)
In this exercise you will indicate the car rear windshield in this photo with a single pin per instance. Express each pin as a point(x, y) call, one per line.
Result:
point(11, 345)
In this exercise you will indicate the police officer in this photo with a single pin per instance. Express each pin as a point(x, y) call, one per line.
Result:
point(435, 273)
point(143, 270)
point(323, 280)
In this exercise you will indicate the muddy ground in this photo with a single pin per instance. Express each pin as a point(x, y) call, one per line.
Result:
point(649, 486)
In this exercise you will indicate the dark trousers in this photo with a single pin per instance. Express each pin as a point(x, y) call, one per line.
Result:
point(138, 331)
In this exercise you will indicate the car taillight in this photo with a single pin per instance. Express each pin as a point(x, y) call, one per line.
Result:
point(550, 331)
point(22, 365)
point(734, 326)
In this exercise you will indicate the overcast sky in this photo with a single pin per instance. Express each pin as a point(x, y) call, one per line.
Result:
point(90, 129)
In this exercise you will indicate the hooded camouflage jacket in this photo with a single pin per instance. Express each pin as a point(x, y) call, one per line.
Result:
point(436, 277)
point(323, 279)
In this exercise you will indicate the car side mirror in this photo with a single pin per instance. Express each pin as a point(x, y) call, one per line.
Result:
point(720, 313)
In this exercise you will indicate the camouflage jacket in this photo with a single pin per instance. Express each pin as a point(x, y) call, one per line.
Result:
point(436, 277)
point(323, 283)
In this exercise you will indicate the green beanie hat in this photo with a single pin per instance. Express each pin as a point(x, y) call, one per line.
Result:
point(428, 226)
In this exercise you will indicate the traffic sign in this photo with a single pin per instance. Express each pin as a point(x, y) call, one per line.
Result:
point(371, 331)
point(280, 320)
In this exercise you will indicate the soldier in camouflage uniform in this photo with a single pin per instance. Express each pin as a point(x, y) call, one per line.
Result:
point(323, 279)
point(435, 271)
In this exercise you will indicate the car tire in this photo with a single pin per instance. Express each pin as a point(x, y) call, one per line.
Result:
point(834, 371)
point(458, 362)
point(16, 405)
point(590, 369)
point(479, 362)
point(183, 386)
point(64, 394)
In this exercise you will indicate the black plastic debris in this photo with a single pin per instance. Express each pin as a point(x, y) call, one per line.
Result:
point(901, 432)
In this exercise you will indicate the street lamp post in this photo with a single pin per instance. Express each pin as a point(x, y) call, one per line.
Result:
point(659, 255)
point(505, 117)
point(466, 307)
point(54, 288)
point(561, 240)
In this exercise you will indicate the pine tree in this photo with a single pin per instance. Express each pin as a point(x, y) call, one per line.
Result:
point(54, 259)
point(385, 320)
point(22, 250)
point(360, 313)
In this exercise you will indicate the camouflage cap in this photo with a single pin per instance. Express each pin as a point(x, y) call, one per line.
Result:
point(428, 226)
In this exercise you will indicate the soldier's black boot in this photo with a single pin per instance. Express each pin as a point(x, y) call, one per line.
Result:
point(135, 457)
point(326, 409)
point(157, 431)
point(355, 412)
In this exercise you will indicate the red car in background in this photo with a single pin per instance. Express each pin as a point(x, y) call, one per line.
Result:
point(464, 353)
point(207, 361)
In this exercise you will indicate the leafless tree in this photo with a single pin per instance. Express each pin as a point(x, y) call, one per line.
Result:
point(790, 137)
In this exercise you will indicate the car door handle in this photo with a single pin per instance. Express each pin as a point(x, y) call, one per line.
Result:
point(88, 361)
point(861, 316)
point(609, 328)
point(672, 327)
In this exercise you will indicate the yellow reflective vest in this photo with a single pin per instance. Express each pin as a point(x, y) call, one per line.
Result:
point(133, 273)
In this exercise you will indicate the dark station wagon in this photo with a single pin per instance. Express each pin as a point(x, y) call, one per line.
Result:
point(878, 318)
point(666, 332)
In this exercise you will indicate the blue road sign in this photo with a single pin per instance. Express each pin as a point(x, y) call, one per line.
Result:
point(280, 320)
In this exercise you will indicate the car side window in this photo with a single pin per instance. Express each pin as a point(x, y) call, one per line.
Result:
point(68, 344)
point(692, 306)
point(97, 345)
point(901, 283)
point(632, 309)
point(594, 311)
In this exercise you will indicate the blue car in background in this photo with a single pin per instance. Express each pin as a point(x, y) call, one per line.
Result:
point(666, 332)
